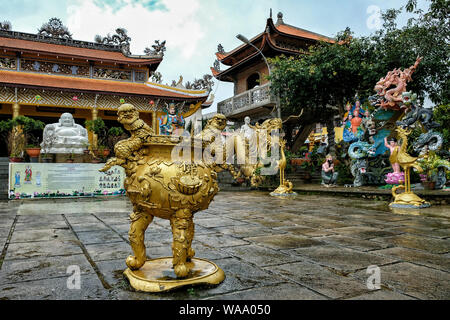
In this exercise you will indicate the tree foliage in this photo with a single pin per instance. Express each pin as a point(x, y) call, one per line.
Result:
point(334, 73)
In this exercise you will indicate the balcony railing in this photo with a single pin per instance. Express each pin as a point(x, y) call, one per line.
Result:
point(246, 101)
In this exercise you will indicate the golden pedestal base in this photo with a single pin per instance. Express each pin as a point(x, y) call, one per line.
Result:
point(409, 200)
point(157, 275)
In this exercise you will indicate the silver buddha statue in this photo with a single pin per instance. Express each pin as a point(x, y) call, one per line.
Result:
point(65, 136)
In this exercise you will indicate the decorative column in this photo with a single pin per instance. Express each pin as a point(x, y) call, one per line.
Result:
point(16, 110)
point(18, 142)
point(155, 122)
point(94, 136)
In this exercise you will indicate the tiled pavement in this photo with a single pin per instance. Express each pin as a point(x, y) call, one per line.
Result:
point(310, 247)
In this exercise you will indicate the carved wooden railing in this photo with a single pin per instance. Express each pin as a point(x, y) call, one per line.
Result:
point(250, 99)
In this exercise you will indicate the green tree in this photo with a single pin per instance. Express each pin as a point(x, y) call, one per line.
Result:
point(442, 116)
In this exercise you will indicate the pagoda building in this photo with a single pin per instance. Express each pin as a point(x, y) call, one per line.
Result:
point(248, 69)
point(46, 74)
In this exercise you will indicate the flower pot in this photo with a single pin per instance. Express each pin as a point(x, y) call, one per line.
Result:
point(106, 152)
point(16, 159)
point(47, 160)
point(33, 152)
point(429, 185)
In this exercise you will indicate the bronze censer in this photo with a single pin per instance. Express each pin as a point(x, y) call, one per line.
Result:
point(160, 187)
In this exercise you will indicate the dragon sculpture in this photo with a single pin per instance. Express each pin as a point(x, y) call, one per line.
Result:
point(120, 39)
point(390, 88)
point(158, 48)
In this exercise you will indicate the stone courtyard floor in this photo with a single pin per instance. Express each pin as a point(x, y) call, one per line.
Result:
point(310, 247)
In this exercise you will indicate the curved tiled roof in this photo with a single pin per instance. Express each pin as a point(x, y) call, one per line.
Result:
point(282, 29)
point(73, 52)
point(302, 33)
point(36, 80)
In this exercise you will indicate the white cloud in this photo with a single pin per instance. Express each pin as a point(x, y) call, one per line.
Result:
point(177, 25)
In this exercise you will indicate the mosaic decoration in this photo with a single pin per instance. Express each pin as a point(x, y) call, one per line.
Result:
point(140, 76)
point(112, 74)
point(53, 67)
point(8, 63)
point(66, 99)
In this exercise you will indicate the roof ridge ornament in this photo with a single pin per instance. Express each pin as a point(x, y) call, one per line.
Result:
point(55, 28)
point(5, 25)
point(216, 65)
point(280, 18)
point(120, 39)
point(158, 49)
point(220, 49)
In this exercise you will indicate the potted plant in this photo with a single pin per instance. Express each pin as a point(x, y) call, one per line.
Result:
point(71, 158)
point(98, 127)
point(14, 138)
point(103, 151)
point(115, 134)
point(430, 164)
point(46, 157)
point(86, 147)
point(15, 157)
point(308, 169)
point(32, 130)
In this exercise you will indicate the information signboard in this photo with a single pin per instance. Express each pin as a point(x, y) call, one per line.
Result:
point(33, 180)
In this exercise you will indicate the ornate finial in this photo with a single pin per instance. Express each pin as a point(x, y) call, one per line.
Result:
point(216, 65)
point(280, 18)
point(55, 28)
point(220, 48)
point(158, 48)
point(5, 26)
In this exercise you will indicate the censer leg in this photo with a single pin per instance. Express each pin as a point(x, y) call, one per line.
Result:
point(182, 231)
point(190, 235)
point(136, 236)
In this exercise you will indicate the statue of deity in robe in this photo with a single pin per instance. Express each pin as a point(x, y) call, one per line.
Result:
point(172, 123)
point(247, 130)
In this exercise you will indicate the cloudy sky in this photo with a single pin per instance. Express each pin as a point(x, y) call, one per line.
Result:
point(193, 28)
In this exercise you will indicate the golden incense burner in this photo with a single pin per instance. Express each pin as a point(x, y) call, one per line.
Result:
point(159, 186)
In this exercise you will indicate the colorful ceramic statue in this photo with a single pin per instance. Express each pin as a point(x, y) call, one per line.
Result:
point(329, 177)
point(347, 115)
point(172, 123)
point(355, 121)
point(396, 177)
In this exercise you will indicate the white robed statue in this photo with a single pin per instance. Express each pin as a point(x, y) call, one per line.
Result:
point(65, 136)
